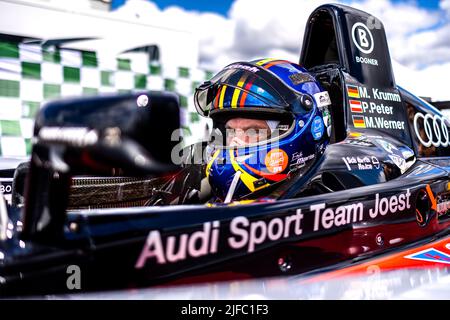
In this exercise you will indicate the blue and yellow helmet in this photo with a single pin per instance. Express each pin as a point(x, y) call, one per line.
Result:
point(280, 92)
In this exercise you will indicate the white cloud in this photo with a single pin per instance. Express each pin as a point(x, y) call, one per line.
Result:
point(138, 9)
point(429, 82)
point(408, 79)
point(445, 5)
point(270, 28)
point(399, 19)
point(418, 38)
point(258, 31)
point(215, 32)
point(79, 4)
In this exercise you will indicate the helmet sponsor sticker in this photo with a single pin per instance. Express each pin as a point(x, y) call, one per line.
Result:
point(317, 128)
point(299, 161)
point(322, 99)
point(276, 161)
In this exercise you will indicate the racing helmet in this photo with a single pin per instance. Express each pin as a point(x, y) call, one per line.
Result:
point(295, 108)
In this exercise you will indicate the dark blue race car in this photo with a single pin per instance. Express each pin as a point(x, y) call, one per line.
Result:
point(103, 195)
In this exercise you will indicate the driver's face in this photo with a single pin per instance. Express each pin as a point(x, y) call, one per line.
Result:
point(241, 131)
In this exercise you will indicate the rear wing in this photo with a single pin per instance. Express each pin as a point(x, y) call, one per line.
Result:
point(355, 42)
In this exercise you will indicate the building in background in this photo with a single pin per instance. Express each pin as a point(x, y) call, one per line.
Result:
point(107, 33)
point(48, 51)
point(102, 5)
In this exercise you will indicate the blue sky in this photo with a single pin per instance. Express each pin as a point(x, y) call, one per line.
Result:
point(432, 4)
point(217, 6)
point(222, 6)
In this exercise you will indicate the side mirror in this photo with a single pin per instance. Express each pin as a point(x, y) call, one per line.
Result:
point(98, 134)
point(128, 135)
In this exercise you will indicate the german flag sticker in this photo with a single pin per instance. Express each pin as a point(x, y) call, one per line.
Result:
point(359, 122)
point(353, 92)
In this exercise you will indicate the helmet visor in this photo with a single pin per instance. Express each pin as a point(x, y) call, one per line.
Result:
point(243, 131)
point(243, 86)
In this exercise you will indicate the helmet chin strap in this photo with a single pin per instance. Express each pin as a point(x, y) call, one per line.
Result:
point(232, 189)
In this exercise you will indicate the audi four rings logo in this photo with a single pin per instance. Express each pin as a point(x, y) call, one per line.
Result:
point(436, 130)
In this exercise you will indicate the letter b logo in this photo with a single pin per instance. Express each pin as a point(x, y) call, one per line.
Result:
point(362, 38)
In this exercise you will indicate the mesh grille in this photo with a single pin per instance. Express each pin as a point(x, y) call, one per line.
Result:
point(111, 192)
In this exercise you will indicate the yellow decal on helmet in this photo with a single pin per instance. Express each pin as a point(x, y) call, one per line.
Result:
point(261, 62)
point(208, 167)
point(222, 96)
point(236, 92)
point(246, 178)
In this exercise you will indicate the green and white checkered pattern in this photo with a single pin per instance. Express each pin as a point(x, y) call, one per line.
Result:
point(31, 75)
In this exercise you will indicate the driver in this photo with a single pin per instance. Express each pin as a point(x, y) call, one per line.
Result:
point(241, 131)
point(270, 120)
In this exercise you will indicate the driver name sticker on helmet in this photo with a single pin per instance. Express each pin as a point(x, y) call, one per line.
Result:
point(299, 161)
point(242, 67)
point(317, 128)
point(322, 99)
point(276, 161)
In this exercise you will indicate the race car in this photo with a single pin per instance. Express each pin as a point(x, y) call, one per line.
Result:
point(103, 198)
